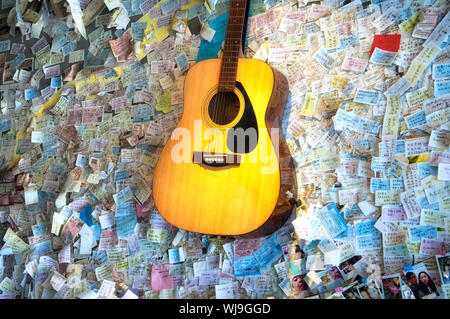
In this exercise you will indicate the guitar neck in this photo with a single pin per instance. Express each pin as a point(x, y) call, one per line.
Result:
point(232, 45)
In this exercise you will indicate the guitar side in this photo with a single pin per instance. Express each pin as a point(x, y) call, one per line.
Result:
point(238, 201)
point(288, 181)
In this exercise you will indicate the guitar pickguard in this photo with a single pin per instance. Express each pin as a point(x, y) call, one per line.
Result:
point(247, 121)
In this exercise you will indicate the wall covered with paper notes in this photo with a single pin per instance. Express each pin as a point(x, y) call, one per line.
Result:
point(92, 89)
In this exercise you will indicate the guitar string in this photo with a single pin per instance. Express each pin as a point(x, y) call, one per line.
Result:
point(224, 97)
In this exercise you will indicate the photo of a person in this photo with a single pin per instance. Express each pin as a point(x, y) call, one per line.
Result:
point(413, 283)
point(299, 284)
point(351, 293)
point(391, 287)
point(334, 273)
point(369, 290)
point(444, 269)
point(426, 285)
point(372, 293)
point(296, 253)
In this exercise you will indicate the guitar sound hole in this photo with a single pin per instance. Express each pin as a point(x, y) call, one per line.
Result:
point(223, 108)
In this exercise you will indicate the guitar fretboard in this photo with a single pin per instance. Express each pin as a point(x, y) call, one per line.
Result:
point(232, 45)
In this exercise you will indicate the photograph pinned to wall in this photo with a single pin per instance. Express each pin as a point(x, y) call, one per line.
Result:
point(391, 285)
point(370, 290)
point(351, 291)
point(444, 271)
point(419, 281)
point(300, 288)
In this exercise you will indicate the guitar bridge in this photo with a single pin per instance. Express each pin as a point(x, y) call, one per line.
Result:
point(217, 160)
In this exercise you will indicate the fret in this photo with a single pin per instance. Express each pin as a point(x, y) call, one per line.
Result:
point(227, 55)
point(230, 42)
point(226, 87)
point(227, 69)
point(230, 59)
point(230, 64)
point(234, 28)
point(232, 45)
point(228, 73)
point(234, 33)
point(227, 77)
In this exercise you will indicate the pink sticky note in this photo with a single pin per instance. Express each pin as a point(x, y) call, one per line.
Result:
point(432, 247)
point(160, 277)
point(143, 211)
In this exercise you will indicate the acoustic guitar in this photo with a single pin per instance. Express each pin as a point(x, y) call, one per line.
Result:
point(226, 170)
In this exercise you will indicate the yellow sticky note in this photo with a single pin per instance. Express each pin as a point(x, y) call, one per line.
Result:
point(393, 104)
point(339, 83)
point(329, 163)
point(152, 33)
point(428, 53)
point(309, 105)
point(409, 25)
point(94, 178)
point(414, 72)
point(164, 103)
point(331, 39)
point(419, 96)
point(390, 124)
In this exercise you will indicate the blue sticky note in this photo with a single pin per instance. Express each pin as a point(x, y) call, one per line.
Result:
point(209, 50)
point(125, 219)
point(168, 6)
point(245, 266)
point(125, 225)
point(441, 87)
point(416, 233)
point(57, 169)
point(416, 120)
point(119, 32)
point(39, 229)
point(400, 147)
point(5, 125)
point(395, 251)
point(99, 256)
point(97, 229)
point(44, 197)
point(369, 242)
point(441, 71)
point(332, 220)
point(31, 94)
point(425, 170)
point(365, 228)
point(219, 24)
point(379, 184)
point(56, 82)
point(268, 250)
point(82, 160)
point(122, 196)
point(17, 61)
point(44, 247)
point(86, 216)
point(425, 204)
point(350, 210)
point(120, 175)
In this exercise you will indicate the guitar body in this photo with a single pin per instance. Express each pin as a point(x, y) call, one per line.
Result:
point(254, 194)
